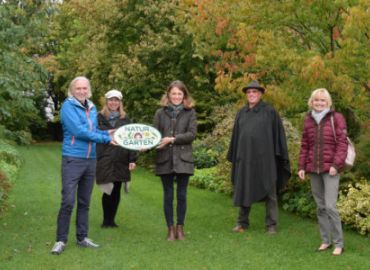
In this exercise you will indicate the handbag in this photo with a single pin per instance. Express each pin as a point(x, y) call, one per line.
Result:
point(351, 152)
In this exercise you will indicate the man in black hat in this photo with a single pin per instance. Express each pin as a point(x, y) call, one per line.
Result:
point(259, 156)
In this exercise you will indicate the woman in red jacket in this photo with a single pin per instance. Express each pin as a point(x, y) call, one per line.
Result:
point(322, 156)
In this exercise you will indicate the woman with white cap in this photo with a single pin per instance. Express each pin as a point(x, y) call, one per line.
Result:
point(114, 164)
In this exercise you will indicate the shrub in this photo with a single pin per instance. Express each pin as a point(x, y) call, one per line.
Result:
point(208, 179)
point(8, 154)
point(354, 206)
point(362, 163)
point(9, 165)
point(219, 141)
point(4, 191)
point(204, 157)
point(297, 198)
point(20, 137)
point(147, 160)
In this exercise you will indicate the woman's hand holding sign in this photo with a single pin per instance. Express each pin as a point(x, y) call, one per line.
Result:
point(165, 141)
point(111, 134)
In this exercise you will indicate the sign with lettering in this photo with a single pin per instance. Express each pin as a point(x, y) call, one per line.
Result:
point(137, 137)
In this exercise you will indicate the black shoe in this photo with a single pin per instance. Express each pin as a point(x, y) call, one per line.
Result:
point(109, 225)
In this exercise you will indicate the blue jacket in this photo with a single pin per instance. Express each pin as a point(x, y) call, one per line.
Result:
point(80, 131)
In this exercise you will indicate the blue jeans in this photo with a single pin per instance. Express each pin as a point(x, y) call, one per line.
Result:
point(182, 184)
point(77, 176)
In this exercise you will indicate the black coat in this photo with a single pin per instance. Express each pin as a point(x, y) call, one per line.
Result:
point(176, 157)
point(259, 154)
point(112, 161)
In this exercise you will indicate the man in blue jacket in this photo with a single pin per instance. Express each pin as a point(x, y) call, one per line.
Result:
point(78, 117)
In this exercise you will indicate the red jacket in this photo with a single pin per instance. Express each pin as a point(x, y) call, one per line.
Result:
point(319, 150)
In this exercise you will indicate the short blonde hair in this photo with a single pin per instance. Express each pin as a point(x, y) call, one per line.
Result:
point(188, 101)
point(73, 83)
point(318, 91)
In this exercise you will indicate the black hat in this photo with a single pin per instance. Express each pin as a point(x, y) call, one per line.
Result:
point(254, 85)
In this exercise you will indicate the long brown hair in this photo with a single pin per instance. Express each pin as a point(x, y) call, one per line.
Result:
point(188, 101)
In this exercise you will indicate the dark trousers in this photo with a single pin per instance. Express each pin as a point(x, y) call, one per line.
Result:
point(271, 211)
point(182, 181)
point(110, 204)
point(77, 176)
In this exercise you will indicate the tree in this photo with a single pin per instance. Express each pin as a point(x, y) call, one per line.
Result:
point(21, 77)
point(292, 47)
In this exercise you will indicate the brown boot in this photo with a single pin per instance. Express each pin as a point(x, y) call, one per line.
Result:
point(171, 234)
point(180, 235)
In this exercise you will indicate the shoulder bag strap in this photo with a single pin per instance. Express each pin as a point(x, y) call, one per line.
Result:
point(332, 126)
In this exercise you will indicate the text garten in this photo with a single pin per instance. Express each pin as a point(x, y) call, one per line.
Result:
point(138, 142)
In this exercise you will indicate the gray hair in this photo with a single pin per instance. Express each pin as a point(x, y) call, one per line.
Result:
point(72, 86)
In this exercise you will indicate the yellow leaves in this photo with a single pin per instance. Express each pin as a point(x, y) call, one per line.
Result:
point(354, 207)
point(249, 60)
point(202, 12)
point(188, 3)
point(314, 70)
point(225, 82)
point(277, 95)
point(49, 62)
point(357, 22)
point(320, 72)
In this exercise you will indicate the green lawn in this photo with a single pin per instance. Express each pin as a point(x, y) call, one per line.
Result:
point(27, 231)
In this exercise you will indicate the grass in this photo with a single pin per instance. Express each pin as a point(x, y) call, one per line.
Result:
point(27, 230)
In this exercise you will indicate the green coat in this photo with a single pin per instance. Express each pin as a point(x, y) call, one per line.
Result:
point(259, 154)
point(176, 157)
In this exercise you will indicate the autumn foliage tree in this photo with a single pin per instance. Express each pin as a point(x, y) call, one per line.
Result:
point(216, 47)
point(292, 47)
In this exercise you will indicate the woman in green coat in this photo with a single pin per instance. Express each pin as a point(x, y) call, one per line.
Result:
point(176, 121)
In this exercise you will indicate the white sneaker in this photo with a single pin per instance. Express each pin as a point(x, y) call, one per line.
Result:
point(87, 243)
point(58, 248)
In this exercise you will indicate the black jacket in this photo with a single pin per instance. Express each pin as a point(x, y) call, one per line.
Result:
point(112, 161)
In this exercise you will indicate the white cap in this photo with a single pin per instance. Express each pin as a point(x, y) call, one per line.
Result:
point(113, 93)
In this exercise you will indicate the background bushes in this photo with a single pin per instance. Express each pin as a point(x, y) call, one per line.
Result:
point(9, 164)
point(354, 206)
